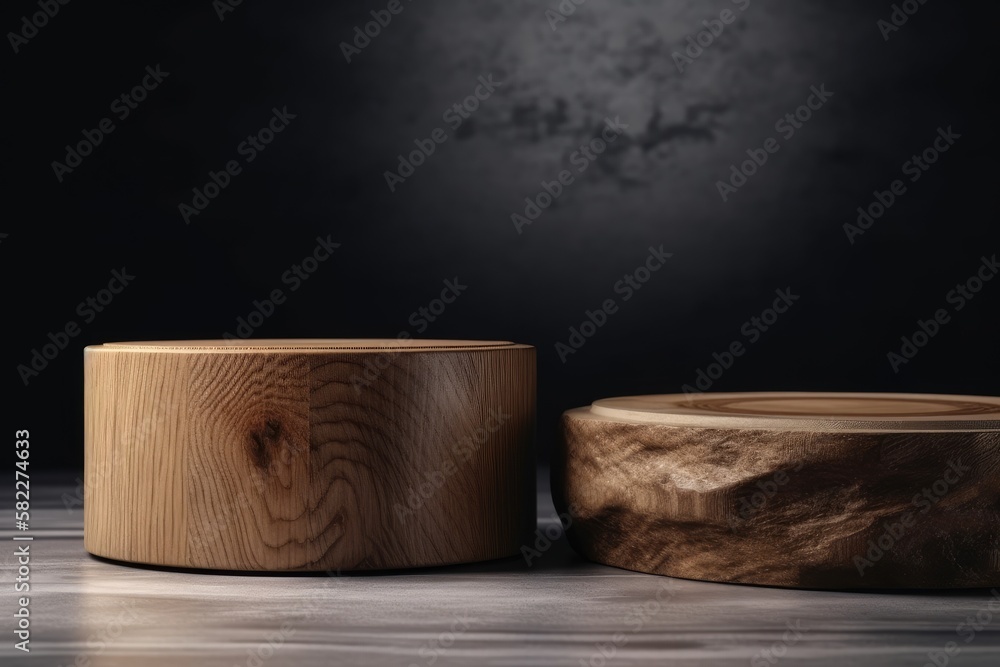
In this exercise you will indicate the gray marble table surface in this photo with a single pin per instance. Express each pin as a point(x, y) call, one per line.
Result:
point(557, 610)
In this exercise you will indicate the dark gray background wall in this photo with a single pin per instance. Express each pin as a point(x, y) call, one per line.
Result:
point(655, 185)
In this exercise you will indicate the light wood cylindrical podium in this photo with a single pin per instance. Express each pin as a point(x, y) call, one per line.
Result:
point(309, 454)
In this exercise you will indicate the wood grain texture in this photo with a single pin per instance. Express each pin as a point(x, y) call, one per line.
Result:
point(799, 490)
point(309, 455)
